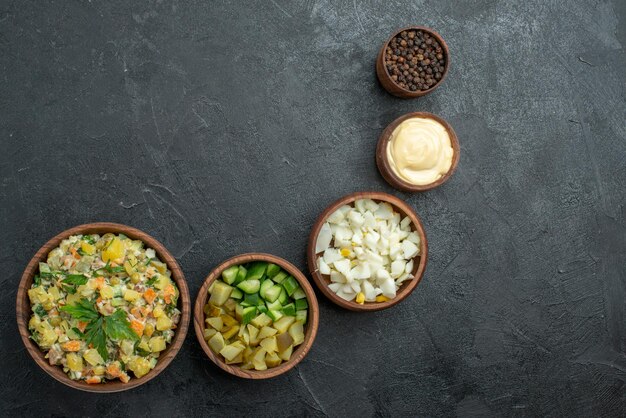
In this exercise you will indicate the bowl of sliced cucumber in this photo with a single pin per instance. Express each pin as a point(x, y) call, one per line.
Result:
point(256, 316)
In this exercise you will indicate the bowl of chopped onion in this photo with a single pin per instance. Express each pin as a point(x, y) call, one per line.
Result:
point(367, 251)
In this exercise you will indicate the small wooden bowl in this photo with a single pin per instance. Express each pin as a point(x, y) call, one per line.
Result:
point(383, 162)
point(385, 78)
point(311, 325)
point(420, 260)
point(24, 311)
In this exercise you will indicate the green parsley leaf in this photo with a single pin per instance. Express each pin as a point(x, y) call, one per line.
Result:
point(82, 310)
point(71, 281)
point(94, 334)
point(152, 280)
point(39, 310)
point(37, 280)
point(89, 239)
point(117, 327)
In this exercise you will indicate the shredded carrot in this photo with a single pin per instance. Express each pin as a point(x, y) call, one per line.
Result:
point(168, 292)
point(99, 282)
point(72, 345)
point(82, 325)
point(99, 300)
point(93, 380)
point(137, 327)
point(124, 377)
point(149, 295)
point(136, 312)
point(114, 370)
point(75, 253)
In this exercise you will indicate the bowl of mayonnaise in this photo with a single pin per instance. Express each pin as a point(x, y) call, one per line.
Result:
point(417, 152)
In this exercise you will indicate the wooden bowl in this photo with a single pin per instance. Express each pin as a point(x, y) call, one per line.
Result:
point(385, 78)
point(311, 325)
point(322, 281)
point(24, 310)
point(383, 162)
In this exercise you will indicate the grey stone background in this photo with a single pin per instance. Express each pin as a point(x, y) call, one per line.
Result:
point(226, 127)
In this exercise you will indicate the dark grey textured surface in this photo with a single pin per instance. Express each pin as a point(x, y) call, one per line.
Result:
point(227, 127)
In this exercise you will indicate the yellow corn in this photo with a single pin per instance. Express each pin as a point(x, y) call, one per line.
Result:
point(381, 298)
point(345, 252)
point(360, 298)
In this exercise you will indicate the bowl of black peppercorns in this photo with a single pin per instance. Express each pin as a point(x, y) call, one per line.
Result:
point(413, 62)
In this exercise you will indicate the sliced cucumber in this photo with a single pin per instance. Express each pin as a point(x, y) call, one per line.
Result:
point(275, 315)
point(279, 277)
point(264, 286)
point(263, 309)
point(241, 275)
point(236, 294)
point(301, 304)
point(272, 293)
point(291, 285)
point(248, 315)
point(272, 270)
point(230, 274)
point(256, 271)
point(251, 300)
point(289, 309)
point(274, 306)
point(299, 294)
point(250, 286)
point(283, 298)
point(301, 317)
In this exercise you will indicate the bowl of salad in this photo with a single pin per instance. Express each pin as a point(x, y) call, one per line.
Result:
point(256, 316)
point(103, 307)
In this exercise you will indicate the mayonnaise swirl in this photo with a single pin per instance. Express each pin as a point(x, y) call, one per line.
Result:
point(420, 151)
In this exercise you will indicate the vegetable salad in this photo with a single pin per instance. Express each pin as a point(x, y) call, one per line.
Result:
point(103, 306)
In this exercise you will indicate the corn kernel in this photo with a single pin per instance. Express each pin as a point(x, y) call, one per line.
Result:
point(360, 298)
point(345, 252)
point(87, 248)
point(381, 298)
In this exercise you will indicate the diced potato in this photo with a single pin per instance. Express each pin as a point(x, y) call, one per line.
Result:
point(262, 320)
point(158, 311)
point(163, 323)
point(216, 342)
point(216, 323)
point(209, 332)
point(130, 270)
point(106, 292)
point(114, 251)
point(214, 310)
point(140, 366)
point(272, 360)
point(99, 370)
point(48, 337)
point(144, 344)
point(161, 267)
point(285, 355)
point(92, 357)
point(230, 305)
point(54, 293)
point(157, 344)
point(236, 360)
point(37, 295)
point(74, 362)
point(266, 332)
point(131, 295)
point(283, 341)
point(296, 331)
point(248, 353)
point(283, 324)
point(220, 294)
point(148, 330)
point(229, 321)
point(259, 359)
point(253, 332)
point(127, 347)
point(232, 350)
point(230, 333)
point(269, 344)
point(87, 248)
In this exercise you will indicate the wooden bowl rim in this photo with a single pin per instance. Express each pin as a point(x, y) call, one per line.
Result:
point(23, 310)
point(312, 321)
point(405, 289)
point(444, 48)
point(383, 162)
